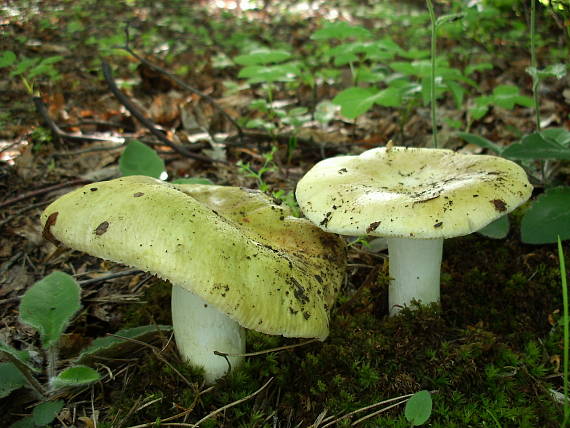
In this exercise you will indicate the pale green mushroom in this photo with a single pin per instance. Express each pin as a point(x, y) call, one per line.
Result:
point(414, 197)
point(235, 259)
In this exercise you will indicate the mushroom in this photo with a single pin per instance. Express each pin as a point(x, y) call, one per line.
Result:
point(235, 259)
point(415, 197)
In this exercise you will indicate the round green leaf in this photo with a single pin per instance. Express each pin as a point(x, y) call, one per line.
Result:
point(497, 229)
point(49, 305)
point(418, 408)
point(139, 159)
point(548, 217)
point(45, 413)
point(75, 376)
point(10, 379)
point(262, 56)
point(7, 59)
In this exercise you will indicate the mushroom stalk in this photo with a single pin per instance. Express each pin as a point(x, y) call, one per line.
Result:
point(414, 271)
point(200, 329)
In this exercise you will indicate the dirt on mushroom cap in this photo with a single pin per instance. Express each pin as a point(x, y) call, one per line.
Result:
point(234, 247)
point(411, 192)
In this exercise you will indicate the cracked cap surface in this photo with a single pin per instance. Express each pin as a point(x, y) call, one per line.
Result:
point(411, 192)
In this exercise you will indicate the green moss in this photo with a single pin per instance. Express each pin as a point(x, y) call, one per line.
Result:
point(486, 351)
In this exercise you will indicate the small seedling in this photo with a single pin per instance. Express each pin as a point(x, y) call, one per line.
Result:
point(49, 306)
point(418, 408)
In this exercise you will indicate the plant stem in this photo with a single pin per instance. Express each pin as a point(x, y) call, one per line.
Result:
point(566, 330)
point(51, 355)
point(533, 63)
point(433, 57)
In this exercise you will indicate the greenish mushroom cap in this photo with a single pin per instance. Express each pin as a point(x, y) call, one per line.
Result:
point(411, 192)
point(234, 247)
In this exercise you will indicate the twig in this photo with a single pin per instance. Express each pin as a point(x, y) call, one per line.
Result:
point(38, 192)
point(372, 406)
point(180, 82)
point(377, 412)
point(123, 99)
point(266, 351)
point(42, 111)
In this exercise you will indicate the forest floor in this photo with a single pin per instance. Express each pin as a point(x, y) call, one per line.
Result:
point(491, 353)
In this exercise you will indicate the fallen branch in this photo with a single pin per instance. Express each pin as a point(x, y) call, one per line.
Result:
point(125, 101)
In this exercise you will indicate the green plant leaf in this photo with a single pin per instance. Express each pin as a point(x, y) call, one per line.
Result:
point(7, 59)
point(23, 65)
point(457, 91)
point(139, 159)
point(538, 146)
point(262, 56)
point(27, 422)
point(472, 68)
point(507, 96)
point(554, 70)
point(192, 180)
point(270, 73)
point(74, 376)
point(49, 305)
point(481, 142)
point(22, 356)
point(497, 229)
point(558, 135)
point(45, 413)
point(547, 217)
point(444, 19)
point(356, 101)
point(414, 53)
point(418, 408)
point(341, 30)
point(114, 347)
point(10, 379)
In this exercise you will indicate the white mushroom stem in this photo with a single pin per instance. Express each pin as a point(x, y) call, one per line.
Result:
point(200, 329)
point(414, 271)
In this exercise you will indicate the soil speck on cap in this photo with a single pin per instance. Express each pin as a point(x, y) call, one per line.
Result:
point(326, 219)
point(373, 226)
point(102, 228)
point(499, 204)
point(138, 194)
